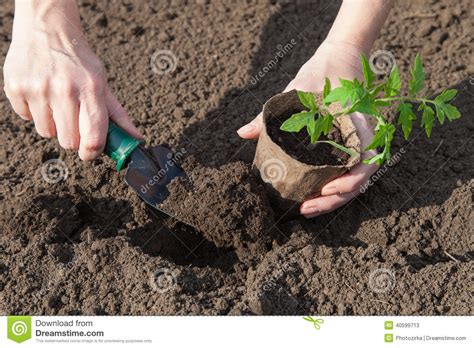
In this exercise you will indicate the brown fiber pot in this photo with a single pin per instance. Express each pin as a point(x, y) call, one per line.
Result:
point(288, 181)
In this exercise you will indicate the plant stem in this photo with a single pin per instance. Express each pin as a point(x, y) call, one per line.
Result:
point(421, 100)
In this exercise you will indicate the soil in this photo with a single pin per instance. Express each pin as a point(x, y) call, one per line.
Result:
point(298, 145)
point(88, 245)
point(202, 200)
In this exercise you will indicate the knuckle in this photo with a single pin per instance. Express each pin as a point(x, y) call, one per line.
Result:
point(68, 90)
point(13, 87)
point(93, 144)
point(39, 88)
point(64, 88)
point(95, 86)
point(68, 144)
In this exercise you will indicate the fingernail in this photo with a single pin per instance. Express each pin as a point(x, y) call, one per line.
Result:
point(308, 209)
point(330, 190)
point(248, 128)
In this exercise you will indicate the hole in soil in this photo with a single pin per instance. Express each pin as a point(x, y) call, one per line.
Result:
point(181, 243)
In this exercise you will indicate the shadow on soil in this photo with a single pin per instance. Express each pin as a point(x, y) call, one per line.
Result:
point(87, 221)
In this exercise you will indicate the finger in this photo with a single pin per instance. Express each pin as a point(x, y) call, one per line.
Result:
point(65, 116)
point(93, 124)
point(364, 129)
point(251, 130)
point(325, 204)
point(21, 108)
point(43, 118)
point(120, 116)
point(351, 181)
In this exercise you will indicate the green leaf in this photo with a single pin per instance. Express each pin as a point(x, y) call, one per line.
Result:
point(427, 119)
point(351, 91)
point(446, 110)
point(327, 88)
point(366, 105)
point(379, 158)
point(369, 75)
point(417, 80)
point(452, 113)
point(308, 100)
point(381, 103)
point(407, 116)
point(393, 84)
point(339, 94)
point(297, 121)
point(446, 96)
point(350, 152)
point(313, 133)
point(383, 135)
point(440, 112)
point(384, 156)
point(326, 123)
point(322, 124)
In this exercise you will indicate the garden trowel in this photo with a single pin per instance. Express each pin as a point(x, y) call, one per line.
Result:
point(147, 170)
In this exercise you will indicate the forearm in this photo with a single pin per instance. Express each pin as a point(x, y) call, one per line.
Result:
point(47, 16)
point(359, 22)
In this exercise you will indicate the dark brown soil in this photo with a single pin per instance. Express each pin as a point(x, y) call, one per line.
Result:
point(298, 145)
point(202, 200)
point(88, 245)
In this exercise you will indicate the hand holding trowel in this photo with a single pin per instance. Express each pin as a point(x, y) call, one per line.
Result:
point(148, 170)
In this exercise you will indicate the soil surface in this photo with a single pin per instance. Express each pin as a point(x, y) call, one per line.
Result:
point(88, 245)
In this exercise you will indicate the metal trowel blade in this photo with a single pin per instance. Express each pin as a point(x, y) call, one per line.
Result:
point(149, 172)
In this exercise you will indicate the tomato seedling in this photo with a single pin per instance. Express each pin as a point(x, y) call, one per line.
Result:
point(371, 98)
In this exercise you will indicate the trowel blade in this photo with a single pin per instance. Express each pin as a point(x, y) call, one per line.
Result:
point(149, 172)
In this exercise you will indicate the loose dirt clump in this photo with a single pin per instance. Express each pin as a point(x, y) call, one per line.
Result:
point(206, 200)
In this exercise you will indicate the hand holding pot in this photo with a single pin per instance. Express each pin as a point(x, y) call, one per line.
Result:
point(353, 32)
point(333, 61)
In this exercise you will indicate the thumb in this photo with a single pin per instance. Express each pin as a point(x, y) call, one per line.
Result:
point(120, 116)
point(252, 129)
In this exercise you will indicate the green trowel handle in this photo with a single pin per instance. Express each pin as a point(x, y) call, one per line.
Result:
point(119, 145)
